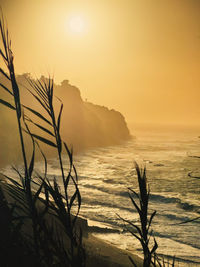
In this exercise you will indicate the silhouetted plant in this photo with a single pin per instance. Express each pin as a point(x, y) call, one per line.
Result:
point(43, 92)
point(162, 262)
point(143, 231)
point(7, 56)
point(45, 243)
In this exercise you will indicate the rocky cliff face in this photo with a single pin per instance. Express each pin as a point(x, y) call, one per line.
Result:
point(84, 124)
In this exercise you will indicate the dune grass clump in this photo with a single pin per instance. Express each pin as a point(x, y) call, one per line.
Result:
point(26, 203)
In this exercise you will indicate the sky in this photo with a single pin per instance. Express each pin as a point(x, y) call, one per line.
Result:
point(140, 57)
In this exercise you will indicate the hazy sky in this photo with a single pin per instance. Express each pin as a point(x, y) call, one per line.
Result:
point(141, 57)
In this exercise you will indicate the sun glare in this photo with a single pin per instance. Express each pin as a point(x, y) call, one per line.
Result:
point(77, 25)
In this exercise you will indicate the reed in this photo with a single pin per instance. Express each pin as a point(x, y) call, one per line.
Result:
point(35, 197)
point(31, 195)
point(142, 231)
point(43, 92)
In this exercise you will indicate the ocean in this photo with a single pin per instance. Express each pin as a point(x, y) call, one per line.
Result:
point(169, 154)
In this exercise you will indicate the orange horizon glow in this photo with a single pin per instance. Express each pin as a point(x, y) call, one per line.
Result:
point(139, 57)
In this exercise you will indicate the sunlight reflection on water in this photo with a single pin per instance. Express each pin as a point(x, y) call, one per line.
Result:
point(106, 173)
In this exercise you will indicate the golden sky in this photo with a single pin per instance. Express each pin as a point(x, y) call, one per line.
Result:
point(141, 57)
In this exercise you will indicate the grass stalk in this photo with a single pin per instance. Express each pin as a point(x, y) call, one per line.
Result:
point(42, 234)
point(8, 59)
point(142, 231)
point(43, 93)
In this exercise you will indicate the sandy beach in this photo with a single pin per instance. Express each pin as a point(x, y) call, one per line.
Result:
point(98, 252)
point(102, 254)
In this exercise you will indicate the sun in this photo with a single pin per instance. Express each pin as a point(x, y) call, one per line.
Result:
point(77, 25)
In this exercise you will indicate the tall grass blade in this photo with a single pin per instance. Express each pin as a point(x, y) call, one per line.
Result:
point(5, 103)
point(4, 74)
point(11, 180)
point(59, 118)
point(2, 54)
point(37, 193)
point(37, 114)
point(69, 154)
point(16, 93)
point(151, 218)
point(132, 261)
point(40, 127)
point(135, 204)
point(6, 89)
point(187, 221)
point(153, 250)
point(44, 140)
point(42, 103)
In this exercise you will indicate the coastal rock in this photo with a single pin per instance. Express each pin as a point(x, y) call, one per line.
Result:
point(83, 124)
point(86, 124)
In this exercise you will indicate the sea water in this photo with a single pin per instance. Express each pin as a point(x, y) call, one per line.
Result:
point(170, 156)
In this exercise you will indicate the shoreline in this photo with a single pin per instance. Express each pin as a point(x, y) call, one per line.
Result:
point(113, 254)
point(100, 253)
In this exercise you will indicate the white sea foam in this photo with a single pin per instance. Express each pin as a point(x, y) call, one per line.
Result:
point(105, 174)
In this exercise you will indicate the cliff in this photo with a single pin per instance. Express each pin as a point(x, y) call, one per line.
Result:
point(83, 124)
point(86, 124)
